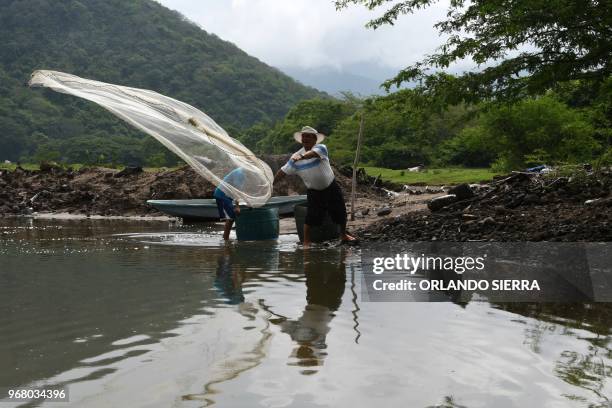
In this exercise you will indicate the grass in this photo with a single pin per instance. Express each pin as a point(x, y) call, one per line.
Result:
point(453, 175)
point(13, 166)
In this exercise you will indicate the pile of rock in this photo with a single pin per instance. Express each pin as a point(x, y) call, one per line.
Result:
point(103, 191)
point(519, 207)
point(96, 191)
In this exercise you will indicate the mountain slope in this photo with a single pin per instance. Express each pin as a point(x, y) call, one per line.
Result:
point(335, 82)
point(137, 43)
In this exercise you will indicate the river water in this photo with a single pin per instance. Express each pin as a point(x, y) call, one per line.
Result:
point(147, 314)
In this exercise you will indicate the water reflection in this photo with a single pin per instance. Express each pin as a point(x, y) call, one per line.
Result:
point(57, 310)
point(448, 402)
point(325, 285)
point(229, 278)
point(186, 321)
point(588, 369)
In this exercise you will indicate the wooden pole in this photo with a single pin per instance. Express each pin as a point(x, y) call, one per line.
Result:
point(357, 153)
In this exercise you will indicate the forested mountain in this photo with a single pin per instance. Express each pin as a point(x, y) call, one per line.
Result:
point(138, 43)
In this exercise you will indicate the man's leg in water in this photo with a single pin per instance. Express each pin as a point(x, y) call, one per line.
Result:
point(337, 211)
point(306, 235)
point(229, 212)
point(228, 228)
point(314, 213)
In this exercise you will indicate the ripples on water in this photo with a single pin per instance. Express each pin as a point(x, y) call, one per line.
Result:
point(154, 314)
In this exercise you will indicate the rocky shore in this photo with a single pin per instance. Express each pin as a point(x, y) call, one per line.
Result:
point(94, 191)
point(110, 192)
point(518, 207)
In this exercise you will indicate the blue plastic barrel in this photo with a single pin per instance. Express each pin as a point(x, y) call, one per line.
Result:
point(327, 231)
point(257, 224)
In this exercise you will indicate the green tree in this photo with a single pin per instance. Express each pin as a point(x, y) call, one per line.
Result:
point(156, 160)
point(596, 105)
point(322, 114)
point(472, 147)
point(251, 136)
point(526, 46)
point(400, 131)
point(536, 128)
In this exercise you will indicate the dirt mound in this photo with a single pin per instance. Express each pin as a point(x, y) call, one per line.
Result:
point(102, 191)
point(520, 207)
point(97, 191)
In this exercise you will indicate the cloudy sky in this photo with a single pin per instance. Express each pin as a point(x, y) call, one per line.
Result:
point(311, 34)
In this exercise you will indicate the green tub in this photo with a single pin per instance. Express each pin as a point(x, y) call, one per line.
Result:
point(325, 232)
point(257, 224)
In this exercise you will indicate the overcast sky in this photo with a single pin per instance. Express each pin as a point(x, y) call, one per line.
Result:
point(312, 34)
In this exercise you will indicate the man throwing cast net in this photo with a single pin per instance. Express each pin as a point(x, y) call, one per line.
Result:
point(324, 194)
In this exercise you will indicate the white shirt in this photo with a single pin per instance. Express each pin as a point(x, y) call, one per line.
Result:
point(316, 173)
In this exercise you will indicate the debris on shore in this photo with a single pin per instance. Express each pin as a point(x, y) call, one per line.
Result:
point(95, 191)
point(111, 192)
point(518, 207)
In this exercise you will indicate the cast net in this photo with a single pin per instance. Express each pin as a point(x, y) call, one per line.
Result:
point(183, 129)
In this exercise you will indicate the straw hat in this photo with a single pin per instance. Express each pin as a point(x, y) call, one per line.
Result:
point(307, 129)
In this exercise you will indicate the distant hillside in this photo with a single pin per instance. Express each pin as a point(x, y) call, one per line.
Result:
point(335, 82)
point(130, 42)
point(361, 78)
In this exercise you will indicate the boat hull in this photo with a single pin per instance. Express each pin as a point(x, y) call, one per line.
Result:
point(206, 209)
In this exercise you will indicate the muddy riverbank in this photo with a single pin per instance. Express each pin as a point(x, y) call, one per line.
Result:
point(97, 191)
point(518, 207)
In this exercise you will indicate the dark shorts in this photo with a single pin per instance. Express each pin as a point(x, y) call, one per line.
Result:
point(328, 201)
point(226, 208)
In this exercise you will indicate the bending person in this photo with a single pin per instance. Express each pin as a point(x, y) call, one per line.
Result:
point(324, 194)
point(228, 207)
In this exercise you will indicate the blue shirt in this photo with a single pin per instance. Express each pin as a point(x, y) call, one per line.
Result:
point(234, 178)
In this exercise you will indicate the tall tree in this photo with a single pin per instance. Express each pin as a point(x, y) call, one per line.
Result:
point(525, 46)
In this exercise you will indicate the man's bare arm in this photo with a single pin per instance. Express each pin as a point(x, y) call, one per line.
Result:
point(279, 175)
point(308, 155)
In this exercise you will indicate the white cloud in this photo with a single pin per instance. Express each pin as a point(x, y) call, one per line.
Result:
point(311, 33)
